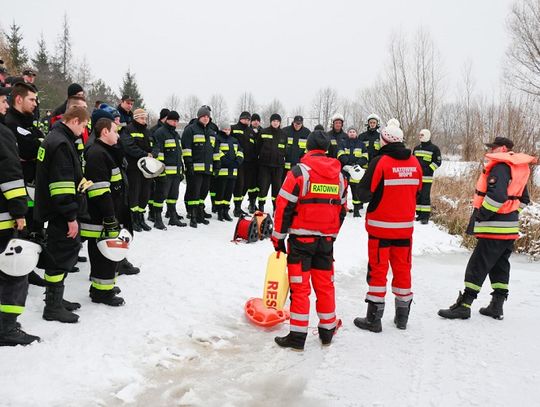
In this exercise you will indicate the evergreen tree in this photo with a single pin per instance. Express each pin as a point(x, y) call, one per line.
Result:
point(41, 59)
point(99, 91)
point(129, 87)
point(16, 50)
point(63, 51)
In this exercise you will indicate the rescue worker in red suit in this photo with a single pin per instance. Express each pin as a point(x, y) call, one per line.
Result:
point(390, 185)
point(310, 207)
point(501, 193)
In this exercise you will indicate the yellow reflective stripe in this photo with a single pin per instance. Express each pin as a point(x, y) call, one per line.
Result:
point(281, 145)
point(238, 131)
point(240, 154)
point(61, 184)
point(224, 147)
point(98, 192)
point(15, 193)
point(224, 171)
point(497, 230)
point(7, 224)
point(103, 287)
point(186, 152)
point(198, 166)
point(53, 279)
point(287, 166)
point(199, 139)
point(267, 136)
point(116, 177)
point(217, 156)
point(433, 166)
point(340, 153)
point(472, 286)
point(302, 143)
point(137, 135)
point(489, 207)
point(501, 286)
point(60, 191)
point(170, 145)
point(11, 309)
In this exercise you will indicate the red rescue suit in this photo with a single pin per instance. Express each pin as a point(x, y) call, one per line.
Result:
point(311, 206)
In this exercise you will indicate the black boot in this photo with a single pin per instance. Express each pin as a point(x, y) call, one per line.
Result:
point(219, 211)
point(252, 206)
point(35, 279)
point(402, 313)
point(372, 321)
point(461, 309)
point(205, 214)
point(326, 335)
point(294, 340)
point(495, 307)
point(238, 209)
point(107, 297)
point(54, 310)
point(424, 221)
point(144, 226)
point(174, 220)
point(125, 267)
point(70, 306)
point(11, 333)
point(356, 211)
point(82, 259)
point(158, 222)
point(150, 213)
point(225, 213)
point(261, 206)
point(201, 218)
point(193, 216)
point(168, 213)
point(135, 222)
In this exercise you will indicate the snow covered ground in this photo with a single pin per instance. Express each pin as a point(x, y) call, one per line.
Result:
point(182, 338)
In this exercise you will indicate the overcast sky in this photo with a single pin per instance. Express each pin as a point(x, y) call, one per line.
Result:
point(285, 49)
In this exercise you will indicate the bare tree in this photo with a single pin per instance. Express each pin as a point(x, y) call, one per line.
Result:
point(63, 48)
point(275, 106)
point(468, 111)
point(190, 106)
point(325, 105)
point(522, 70)
point(172, 102)
point(83, 75)
point(246, 103)
point(219, 108)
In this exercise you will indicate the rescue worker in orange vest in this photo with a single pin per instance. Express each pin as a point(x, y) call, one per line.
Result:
point(310, 207)
point(390, 185)
point(501, 193)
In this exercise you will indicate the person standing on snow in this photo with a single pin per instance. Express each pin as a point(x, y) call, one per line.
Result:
point(297, 135)
point(336, 134)
point(429, 156)
point(390, 185)
point(371, 137)
point(311, 207)
point(501, 193)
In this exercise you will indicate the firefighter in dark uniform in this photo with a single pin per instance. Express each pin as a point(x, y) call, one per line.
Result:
point(351, 152)
point(125, 110)
point(136, 143)
point(247, 172)
point(371, 137)
point(168, 149)
point(13, 207)
point(430, 159)
point(270, 143)
point(29, 77)
point(501, 193)
point(162, 118)
point(297, 136)
point(201, 159)
point(60, 201)
point(310, 207)
point(336, 134)
point(232, 157)
point(106, 206)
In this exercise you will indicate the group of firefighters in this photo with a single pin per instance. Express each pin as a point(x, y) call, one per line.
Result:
point(86, 179)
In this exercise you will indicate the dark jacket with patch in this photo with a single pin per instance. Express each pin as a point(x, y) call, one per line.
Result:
point(270, 144)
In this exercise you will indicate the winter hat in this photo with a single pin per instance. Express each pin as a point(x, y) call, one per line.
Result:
point(163, 113)
point(352, 128)
point(275, 116)
point(203, 111)
point(73, 89)
point(224, 125)
point(172, 115)
point(139, 114)
point(391, 134)
point(319, 127)
point(244, 115)
point(425, 135)
point(298, 119)
point(501, 141)
point(393, 122)
point(101, 114)
point(113, 111)
point(255, 117)
point(318, 140)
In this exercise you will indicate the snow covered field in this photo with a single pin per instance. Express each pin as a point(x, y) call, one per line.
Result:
point(182, 339)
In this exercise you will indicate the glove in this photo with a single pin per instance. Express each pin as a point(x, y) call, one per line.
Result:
point(111, 226)
point(279, 245)
point(190, 172)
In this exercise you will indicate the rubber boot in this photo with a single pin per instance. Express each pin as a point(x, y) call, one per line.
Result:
point(326, 335)
point(126, 268)
point(424, 221)
point(173, 219)
point(294, 340)
point(144, 226)
point(225, 213)
point(252, 206)
point(150, 213)
point(495, 307)
point(11, 333)
point(402, 313)
point(54, 310)
point(35, 279)
point(261, 206)
point(238, 209)
point(70, 306)
point(168, 213)
point(107, 297)
point(356, 211)
point(372, 321)
point(158, 222)
point(205, 214)
point(462, 307)
point(201, 218)
point(219, 211)
point(192, 216)
point(135, 222)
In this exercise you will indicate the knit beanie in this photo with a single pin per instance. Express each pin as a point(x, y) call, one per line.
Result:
point(172, 115)
point(163, 113)
point(139, 113)
point(318, 140)
point(245, 115)
point(391, 134)
point(203, 111)
point(73, 89)
point(425, 135)
point(275, 116)
point(255, 117)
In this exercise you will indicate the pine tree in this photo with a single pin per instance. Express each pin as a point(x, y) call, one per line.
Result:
point(130, 88)
point(99, 91)
point(63, 51)
point(16, 50)
point(41, 59)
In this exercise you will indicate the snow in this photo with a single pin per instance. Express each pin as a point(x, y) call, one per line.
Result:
point(182, 338)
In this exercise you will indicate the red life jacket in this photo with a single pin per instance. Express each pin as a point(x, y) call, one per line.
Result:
point(393, 218)
point(321, 197)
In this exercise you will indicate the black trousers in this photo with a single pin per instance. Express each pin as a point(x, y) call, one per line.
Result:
point(62, 250)
point(423, 201)
point(102, 270)
point(269, 176)
point(224, 190)
point(196, 189)
point(139, 190)
point(489, 257)
point(13, 290)
point(355, 192)
point(213, 189)
point(246, 182)
point(167, 188)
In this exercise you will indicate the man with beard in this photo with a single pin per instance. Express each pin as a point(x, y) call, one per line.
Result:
point(336, 134)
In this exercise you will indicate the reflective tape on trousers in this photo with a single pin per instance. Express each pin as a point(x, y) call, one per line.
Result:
point(408, 181)
point(390, 225)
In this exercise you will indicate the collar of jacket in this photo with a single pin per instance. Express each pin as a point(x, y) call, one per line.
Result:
point(27, 120)
point(124, 112)
point(138, 125)
point(67, 132)
point(243, 126)
point(169, 127)
point(395, 150)
point(425, 143)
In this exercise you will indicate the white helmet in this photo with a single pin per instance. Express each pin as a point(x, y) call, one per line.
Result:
point(150, 167)
point(373, 116)
point(425, 135)
point(337, 116)
point(356, 172)
point(20, 257)
point(115, 248)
